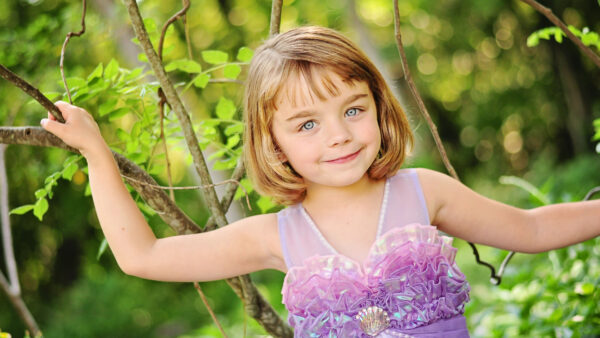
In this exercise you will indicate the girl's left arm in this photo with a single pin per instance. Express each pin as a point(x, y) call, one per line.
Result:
point(461, 212)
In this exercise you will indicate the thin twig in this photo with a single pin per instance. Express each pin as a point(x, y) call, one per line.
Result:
point(11, 286)
point(226, 81)
point(229, 194)
point(186, 29)
point(157, 199)
point(194, 187)
point(161, 106)
point(64, 46)
point(31, 91)
point(186, 6)
point(210, 311)
point(275, 17)
point(556, 21)
point(417, 96)
point(440, 146)
point(260, 309)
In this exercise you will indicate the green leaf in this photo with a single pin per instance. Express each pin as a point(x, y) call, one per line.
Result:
point(22, 209)
point(236, 128)
point(265, 204)
point(40, 193)
point(245, 54)
point(225, 109)
point(52, 96)
point(142, 57)
point(40, 208)
point(232, 71)
point(232, 141)
point(584, 289)
point(69, 171)
point(225, 164)
point(217, 154)
point(122, 135)
point(101, 249)
point(107, 106)
point(188, 66)
point(202, 80)
point(247, 185)
point(97, 73)
point(150, 25)
point(75, 82)
point(214, 57)
point(112, 69)
point(115, 114)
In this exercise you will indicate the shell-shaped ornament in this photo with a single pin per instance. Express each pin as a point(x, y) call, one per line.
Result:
point(373, 320)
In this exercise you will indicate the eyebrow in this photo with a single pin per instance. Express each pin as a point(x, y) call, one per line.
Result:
point(306, 113)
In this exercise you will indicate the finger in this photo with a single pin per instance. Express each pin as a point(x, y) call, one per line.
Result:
point(54, 127)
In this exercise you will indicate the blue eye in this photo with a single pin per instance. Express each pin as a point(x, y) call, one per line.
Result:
point(308, 125)
point(352, 112)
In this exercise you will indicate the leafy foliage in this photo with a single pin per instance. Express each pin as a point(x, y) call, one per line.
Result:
point(588, 37)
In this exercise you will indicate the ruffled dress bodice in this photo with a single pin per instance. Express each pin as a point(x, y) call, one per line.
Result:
point(409, 284)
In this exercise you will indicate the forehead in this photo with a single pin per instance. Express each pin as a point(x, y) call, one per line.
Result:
point(306, 87)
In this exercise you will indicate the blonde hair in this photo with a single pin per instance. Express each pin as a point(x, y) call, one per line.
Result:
point(301, 52)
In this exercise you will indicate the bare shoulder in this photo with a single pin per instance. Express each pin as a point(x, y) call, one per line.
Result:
point(436, 188)
point(263, 231)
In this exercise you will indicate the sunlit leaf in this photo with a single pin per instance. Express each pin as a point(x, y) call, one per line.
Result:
point(245, 54)
point(225, 164)
point(69, 171)
point(225, 109)
point(115, 114)
point(97, 73)
point(232, 141)
point(112, 69)
point(214, 57)
point(102, 248)
point(40, 193)
point(188, 66)
point(40, 208)
point(265, 204)
point(22, 209)
point(202, 80)
point(236, 128)
point(232, 71)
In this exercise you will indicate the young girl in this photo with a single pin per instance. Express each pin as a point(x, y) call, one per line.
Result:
point(359, 240)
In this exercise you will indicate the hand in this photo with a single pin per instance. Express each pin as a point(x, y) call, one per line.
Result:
point(79, 131)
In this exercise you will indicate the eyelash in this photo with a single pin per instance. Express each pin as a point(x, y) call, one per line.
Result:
point(303, 125)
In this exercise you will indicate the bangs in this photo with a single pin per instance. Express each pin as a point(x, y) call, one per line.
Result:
point(304, 82)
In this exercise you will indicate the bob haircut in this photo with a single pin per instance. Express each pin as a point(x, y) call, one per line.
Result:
point(304, 52)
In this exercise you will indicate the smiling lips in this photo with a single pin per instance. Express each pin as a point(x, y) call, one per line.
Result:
point(345, 159)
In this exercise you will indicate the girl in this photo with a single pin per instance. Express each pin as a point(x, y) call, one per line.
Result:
point(325, 136)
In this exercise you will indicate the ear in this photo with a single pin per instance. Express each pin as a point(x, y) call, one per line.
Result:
point(280, 155)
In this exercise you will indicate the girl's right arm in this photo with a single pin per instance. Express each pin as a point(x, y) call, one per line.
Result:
point(248, 245)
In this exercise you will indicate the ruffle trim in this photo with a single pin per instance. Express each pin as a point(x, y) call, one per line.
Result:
point(410, 273)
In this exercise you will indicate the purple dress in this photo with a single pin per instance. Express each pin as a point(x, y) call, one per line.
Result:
point(409, 284)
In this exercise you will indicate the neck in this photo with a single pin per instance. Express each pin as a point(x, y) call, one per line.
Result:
point(322, 195)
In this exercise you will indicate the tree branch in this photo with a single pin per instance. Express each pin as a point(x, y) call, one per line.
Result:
point(186, 6)
point(275, 17)
point(256, 306)
point(495, 279)
point(156, 198)
point(31, 91)
point(417, 96)
point(557, 22)
point(62, 53)
point(11, 287)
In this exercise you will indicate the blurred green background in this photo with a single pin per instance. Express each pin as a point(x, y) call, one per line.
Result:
point(502, 109)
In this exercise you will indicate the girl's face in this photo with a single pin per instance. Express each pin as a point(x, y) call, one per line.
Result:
point(330, 142)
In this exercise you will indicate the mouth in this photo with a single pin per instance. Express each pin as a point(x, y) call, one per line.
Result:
point(344, 159)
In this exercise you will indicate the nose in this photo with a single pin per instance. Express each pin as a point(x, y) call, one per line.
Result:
point(338, 134)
